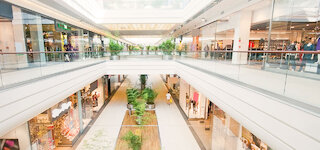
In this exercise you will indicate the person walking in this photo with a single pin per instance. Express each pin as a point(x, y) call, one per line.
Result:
point(168, 96)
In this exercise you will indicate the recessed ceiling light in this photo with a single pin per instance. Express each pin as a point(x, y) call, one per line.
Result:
point(307, 25)
point(292, 27)
point(203, 20)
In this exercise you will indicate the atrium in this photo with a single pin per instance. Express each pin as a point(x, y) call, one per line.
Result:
point(159, 74)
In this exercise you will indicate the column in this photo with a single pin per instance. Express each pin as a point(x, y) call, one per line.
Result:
point(241, 36)
point(80, 110)
point(37, 41)
point(104, 89)
point(19, 39)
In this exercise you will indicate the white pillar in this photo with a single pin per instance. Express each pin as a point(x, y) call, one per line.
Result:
point(241, 37)
point(19, 39)
point(37, 41)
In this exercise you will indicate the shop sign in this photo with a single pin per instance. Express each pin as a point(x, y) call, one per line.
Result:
point(63, 26)
point(57, 111)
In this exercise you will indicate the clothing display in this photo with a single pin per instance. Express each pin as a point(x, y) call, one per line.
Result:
point(308, 47)
point(318, 43)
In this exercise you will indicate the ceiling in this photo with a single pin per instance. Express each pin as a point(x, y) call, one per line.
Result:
point(132, 17)
point(124, 17)
point(139, 27)
point(144, 4)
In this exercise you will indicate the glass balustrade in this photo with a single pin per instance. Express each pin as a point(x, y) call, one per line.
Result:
point(288, 73)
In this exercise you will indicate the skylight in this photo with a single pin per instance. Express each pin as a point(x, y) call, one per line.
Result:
point(145, 4)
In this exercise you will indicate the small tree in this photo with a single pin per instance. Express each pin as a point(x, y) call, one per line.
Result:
point(167, 47)
point(132, 95)
point(149, 95)
point(115, 48)
point(139, 110)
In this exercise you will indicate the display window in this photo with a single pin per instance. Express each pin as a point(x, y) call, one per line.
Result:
point(9, 144)
point(87, 106)
point(41, 132)
point(251, 142)
point(192, 102)
point(58, 126)
point(66, 123)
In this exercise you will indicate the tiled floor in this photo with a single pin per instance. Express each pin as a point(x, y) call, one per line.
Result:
point(174, 132)
point(200, 129)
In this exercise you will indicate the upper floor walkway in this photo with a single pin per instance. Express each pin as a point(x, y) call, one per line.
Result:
point(262, 90)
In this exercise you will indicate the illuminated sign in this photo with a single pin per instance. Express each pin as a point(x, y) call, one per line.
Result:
point(63, 26)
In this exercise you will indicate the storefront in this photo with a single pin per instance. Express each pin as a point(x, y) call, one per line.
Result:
point(63, 123)
point(214, 128)
point(23, 30)
point(113, 82)
point(193, 103)
point(56, 127)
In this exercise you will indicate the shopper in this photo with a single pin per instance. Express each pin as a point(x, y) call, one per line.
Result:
point(187, 101)
point(169, 98)
point(95, 99)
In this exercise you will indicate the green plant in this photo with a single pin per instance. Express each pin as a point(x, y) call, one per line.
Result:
point(132, 95)
point(153, 48)
point(134, 141)
point(139, 110)
point(147, 117)
point(130, 47)
point(149, 95)
point(115, 48)
point(143, 81)
point(167, 47)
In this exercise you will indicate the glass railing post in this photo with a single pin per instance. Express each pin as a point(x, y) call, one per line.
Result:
point(264, 59)
point(281, 60)
point(249, 60)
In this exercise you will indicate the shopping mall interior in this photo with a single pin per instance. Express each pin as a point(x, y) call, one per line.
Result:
point(159, 74)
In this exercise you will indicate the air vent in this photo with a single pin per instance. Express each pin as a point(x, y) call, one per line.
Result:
point(222, 13)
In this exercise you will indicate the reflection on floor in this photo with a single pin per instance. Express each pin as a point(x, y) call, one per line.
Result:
point(203, 129)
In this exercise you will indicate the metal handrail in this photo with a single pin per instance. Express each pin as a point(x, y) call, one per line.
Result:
point(218, 51)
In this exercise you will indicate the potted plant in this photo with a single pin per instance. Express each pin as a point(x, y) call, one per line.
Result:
point(139, 110)
point(134, 140)
point(132, 95)
point(143, 81)
point(149, 96)
point(167, 48)
point(115, 49)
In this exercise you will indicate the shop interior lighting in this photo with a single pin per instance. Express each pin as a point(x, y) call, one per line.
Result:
point(307, 25)
point(56, 112)
point(203, 20)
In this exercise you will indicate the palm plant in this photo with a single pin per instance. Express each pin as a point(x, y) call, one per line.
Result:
point(143, 81)
point(139, 110)
point(115, 48)
point(132, 95)
point(167, 47)
point(149, 95)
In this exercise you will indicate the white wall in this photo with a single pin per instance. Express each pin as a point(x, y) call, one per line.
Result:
point(22, 134)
